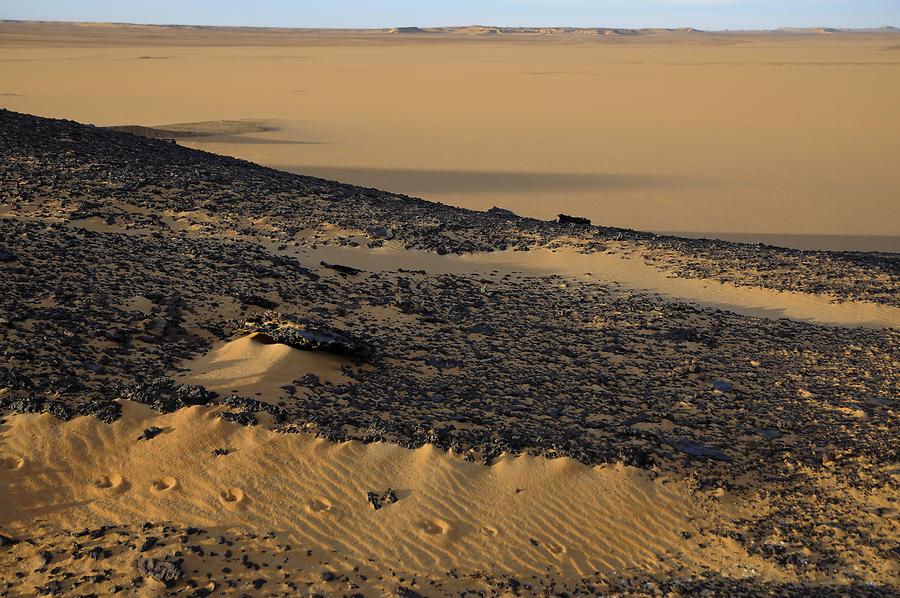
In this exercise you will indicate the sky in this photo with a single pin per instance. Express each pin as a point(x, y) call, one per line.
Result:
point(702, 14)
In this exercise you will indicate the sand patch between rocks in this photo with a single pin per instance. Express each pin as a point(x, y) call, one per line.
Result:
point(629, 272)
point(255, 364)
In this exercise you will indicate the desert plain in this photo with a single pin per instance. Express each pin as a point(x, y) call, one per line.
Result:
point(789, 137)
point(226, 373)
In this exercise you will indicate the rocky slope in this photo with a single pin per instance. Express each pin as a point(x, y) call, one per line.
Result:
point(123, 257)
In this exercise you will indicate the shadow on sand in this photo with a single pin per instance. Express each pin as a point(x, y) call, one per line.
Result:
point(478, 181)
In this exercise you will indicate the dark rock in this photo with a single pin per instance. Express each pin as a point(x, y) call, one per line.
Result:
point(7, 541)
point(382, 499)
point(575, 220)
point(381, 232)
point(166, 395)
point(502, 213)
point(258, 301)
point(292, 333)
point(770, 434)
point(254, 406)
point(12, 379)
point(245, 418)
point(167, 572)
point(105, 411)
point(341, 268)
point(59, 410)
point(309, 381)
point(51, 588)
point(24, 404)
point(482, 329)
point(7, 256)
point(442, 364)
point(698, 450)
point(97, 553)
point(150, 433)
point(721, 385)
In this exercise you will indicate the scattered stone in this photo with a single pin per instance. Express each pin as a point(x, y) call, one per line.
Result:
point(380, 232)
point(258, 301)
point(150, 433)
point(722, 386)
point(381, 499)
point(6, 541)
point(341, 268)
point(698, 450)
point(502, 213)
point(244, 418)
point(168, 572)
point(166, 395)
point(770, 434)
point(288, 331)
point(583, 364)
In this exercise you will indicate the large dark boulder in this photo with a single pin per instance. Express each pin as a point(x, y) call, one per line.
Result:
point(164, 571)
point(289, 331)
point(576, 220)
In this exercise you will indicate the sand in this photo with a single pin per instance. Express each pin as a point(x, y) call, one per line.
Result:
point(789, 138)
point(522, 515)
point(254, 365)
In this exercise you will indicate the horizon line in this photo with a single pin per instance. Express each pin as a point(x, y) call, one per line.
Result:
point(682, 28)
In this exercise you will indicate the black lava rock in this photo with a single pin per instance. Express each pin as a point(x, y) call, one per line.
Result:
point(382, 499)
point(150, 433)
point(698, 450)
point(575, 220)
point(166, 395)
point(167, 572)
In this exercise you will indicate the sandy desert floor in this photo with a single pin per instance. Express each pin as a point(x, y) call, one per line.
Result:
point(786, 138)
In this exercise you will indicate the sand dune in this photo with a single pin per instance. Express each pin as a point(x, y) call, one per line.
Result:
point(254, 365)
point(523, 515)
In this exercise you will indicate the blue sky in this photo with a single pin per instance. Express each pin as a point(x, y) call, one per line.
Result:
point(704, 14)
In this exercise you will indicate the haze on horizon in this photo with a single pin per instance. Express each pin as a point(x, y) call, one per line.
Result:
point(702, 14)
